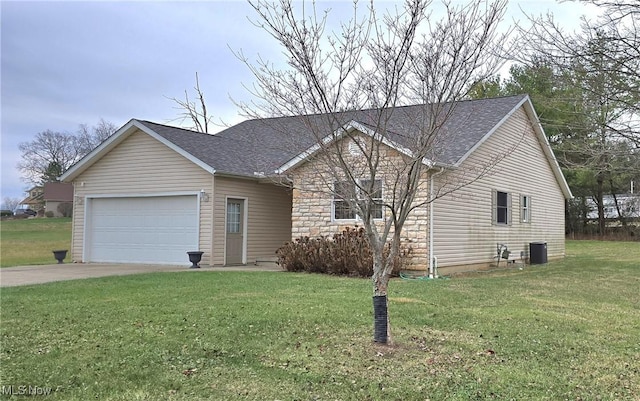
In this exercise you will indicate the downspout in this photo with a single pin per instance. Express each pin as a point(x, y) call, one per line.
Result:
point(432, 273)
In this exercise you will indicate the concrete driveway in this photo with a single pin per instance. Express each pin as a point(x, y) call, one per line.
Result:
point(26, 275)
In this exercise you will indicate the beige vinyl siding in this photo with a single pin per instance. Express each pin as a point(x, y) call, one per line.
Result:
point(463, 229)
point(142, 165)
point(268, 211)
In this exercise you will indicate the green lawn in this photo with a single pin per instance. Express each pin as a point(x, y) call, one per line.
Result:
point(569, 330)
point(30, 241)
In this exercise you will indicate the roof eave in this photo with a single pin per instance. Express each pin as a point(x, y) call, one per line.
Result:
point(546, 148)
point(96, 154)
point(491, 132)
point(339, 134)
point(258, 177)
point(542, 138)
point(176, 148)
point(118, 137)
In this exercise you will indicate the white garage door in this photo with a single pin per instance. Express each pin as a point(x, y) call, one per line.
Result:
point(142, 230)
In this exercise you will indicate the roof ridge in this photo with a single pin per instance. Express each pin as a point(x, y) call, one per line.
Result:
point(521, 95)
point(264, 119)
point(445, 103)
point(173, 127)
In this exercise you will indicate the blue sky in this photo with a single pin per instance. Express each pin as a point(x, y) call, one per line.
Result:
point(68, 63)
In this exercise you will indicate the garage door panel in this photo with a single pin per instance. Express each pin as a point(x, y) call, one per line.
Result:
point(142, 230)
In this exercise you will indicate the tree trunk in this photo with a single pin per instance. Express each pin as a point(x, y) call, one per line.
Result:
point(600, 203)
point(584, 215)
point(621, 214)
point(568, 219)
point(381, 327)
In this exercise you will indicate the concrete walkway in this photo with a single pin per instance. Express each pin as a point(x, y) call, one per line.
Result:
point(27, 275)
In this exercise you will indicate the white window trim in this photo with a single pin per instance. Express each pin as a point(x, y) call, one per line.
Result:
point(494, 208)
point(357, 218)
point(525, 211)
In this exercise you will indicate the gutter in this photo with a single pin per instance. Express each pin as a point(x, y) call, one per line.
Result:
point(432, 273)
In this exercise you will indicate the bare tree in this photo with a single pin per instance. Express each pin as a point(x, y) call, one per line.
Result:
point(90, 137)
point(194, 111)
point(49, 148)
point(601, 62)
point(9, 203)
point(607, 50)
point(51, 153)
point(378, 64)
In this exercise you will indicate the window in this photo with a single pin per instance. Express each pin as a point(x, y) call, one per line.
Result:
point(343, 191)
point(233, 217)
point(346, 191)
point(502, 211)
point(501, 207)
point(525, 212)
point(376, 196)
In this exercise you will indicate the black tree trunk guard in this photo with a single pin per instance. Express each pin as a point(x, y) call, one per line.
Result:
point(380, 319)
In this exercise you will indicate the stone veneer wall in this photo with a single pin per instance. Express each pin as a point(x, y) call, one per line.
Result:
point(312, 207)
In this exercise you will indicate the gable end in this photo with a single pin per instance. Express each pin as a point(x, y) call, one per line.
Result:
point(117, 138)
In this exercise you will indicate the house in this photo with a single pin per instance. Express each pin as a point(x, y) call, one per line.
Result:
point(150, 192)
point(34, 199)
point(58, 198)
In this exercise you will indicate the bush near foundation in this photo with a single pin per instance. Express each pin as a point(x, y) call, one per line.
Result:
point(344, 254)
point(65, 209)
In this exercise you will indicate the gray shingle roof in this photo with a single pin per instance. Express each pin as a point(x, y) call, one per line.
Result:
point(263, 145)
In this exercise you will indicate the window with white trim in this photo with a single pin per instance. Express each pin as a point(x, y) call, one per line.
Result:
point(344, 192)
point(501, 208)
point(525, 209)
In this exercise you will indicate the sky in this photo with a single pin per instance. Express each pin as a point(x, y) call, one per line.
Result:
point(66, 63)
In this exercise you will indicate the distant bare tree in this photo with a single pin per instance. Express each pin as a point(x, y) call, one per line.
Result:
point(9, 203)
point(605, 51)
point(90, 137)
point(194, 111)
point(601, 61)
point(52, 153)
point(376, 63)
point(48, 149)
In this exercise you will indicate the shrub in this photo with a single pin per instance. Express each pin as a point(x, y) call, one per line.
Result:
point(65, 209)
point(49, 213)
point(6, 213)
point(346, 254)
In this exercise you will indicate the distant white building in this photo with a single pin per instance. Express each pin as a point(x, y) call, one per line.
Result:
point(629, 205)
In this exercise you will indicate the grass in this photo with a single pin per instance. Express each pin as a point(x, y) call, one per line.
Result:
point(30, 241)
point(567, 330)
